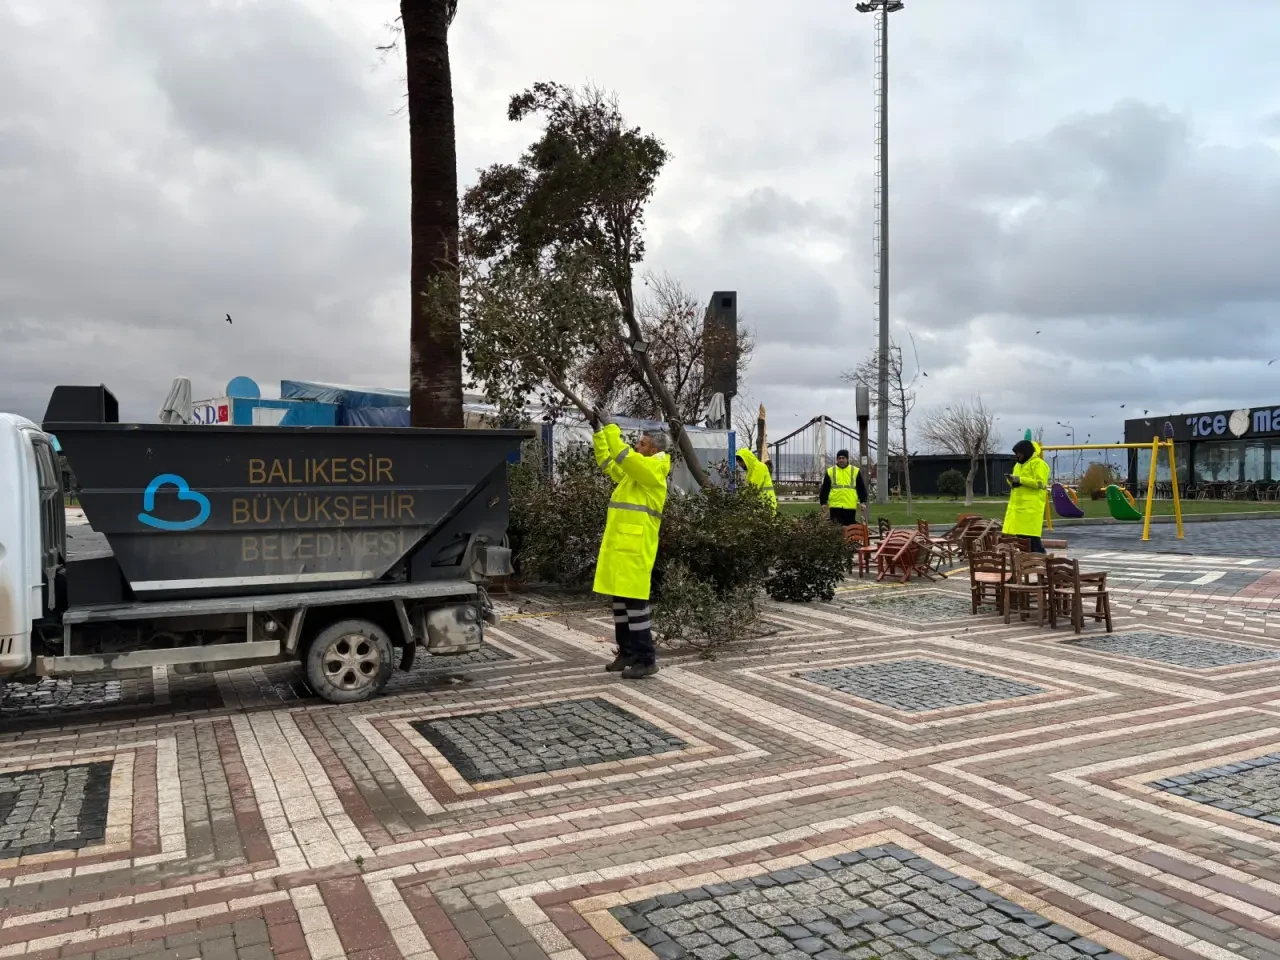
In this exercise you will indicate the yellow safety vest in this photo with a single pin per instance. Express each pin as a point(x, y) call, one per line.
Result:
point(624, 566)
point(1024, 517)
point(844, 488)
point(758, 476)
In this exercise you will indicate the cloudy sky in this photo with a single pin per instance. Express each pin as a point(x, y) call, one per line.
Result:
point(1085, 196)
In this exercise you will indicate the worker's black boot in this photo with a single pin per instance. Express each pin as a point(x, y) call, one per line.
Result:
point(619, 664)
point(638, 671)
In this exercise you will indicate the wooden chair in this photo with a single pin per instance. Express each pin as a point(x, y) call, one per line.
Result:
point(981, 536)
point(988, 573)
point(940, 547)
point(953, 540)
point(1069, 589)
point(860, 534)
point(896, 555)
point(1030, 579)
point(928, 558)
point(1013, 544)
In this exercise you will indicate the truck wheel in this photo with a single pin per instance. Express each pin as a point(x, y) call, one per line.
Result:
point(349, 661)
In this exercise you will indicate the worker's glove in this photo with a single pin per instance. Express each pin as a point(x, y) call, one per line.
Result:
point(1015, 482)
point(601, 418)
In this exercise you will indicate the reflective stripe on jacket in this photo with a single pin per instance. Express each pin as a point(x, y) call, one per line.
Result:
point(625, 564)
point(758, 476)
point(844, 488)
point(1024, 517)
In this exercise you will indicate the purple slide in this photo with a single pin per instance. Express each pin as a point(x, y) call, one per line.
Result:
point(1062, 504)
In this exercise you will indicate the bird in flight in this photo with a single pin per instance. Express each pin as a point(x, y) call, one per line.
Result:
point(1122, 406)
point(1270, 362)
point(228, 318)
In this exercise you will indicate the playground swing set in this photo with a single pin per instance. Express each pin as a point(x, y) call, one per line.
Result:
point(1120, 501)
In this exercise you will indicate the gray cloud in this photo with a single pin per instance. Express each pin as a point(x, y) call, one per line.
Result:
point(164, 163)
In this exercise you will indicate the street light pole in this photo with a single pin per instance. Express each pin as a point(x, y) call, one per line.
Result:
point(1075, 469)
point(882, 9)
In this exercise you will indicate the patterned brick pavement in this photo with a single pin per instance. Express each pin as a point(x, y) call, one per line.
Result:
point(881, 776)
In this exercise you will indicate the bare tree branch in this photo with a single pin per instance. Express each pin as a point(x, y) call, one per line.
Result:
point(901, 400)
point(680, 352)
point(964, 428)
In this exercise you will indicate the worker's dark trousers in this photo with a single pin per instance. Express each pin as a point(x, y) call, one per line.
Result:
point(1036, 545)
point(633, 629)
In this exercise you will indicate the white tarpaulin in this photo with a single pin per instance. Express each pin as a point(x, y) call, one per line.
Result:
point(177, 405)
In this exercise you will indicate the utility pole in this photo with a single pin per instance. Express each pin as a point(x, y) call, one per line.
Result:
point(882, 9)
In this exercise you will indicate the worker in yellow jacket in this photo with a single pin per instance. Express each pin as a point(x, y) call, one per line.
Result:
point(624, 567)
point(1028, 489)
point(758, 476)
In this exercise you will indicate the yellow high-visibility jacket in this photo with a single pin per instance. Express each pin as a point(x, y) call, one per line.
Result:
point(625, 564)
point(844, 487)
point(1024, 517)
point(758, 476)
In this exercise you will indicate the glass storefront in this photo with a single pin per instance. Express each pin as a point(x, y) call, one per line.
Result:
point(1180, 456)
point(1235, 461)
point(1232, 453)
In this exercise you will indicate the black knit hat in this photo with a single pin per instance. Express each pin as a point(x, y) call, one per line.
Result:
point(1024, 447)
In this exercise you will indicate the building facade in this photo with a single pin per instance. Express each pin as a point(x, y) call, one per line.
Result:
point(1217, 447)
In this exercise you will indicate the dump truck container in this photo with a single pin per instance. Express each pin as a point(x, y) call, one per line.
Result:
point(187, 510)
point(208, 549)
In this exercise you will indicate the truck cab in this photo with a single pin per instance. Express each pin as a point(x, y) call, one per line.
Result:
point(32, 536)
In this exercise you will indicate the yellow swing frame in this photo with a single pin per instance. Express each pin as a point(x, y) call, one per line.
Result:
point(1155, 446)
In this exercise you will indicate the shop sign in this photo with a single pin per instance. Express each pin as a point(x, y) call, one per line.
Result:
point(1216, 425)
point(211, 412)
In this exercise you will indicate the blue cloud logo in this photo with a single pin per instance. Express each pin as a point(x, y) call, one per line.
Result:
point(185, 493)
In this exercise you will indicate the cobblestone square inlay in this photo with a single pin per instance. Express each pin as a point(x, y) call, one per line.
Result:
point(879, 902)
point(1192, 652)
point(61, 694)
point(1250, 788)
point(918, 685)
point(925, 606)
point(55, 808)
point(543, 738)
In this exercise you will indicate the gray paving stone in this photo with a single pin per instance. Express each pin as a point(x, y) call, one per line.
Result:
point(1249, 788)
point(922, 606)
point(784, 928)
point(53, 808)
point(543, 738)
point(1182, 651)
point(917, 685)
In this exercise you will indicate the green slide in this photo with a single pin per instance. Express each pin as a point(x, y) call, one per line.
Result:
point(1119, 506)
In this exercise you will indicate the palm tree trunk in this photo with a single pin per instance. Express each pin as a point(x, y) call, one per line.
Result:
point(435, 346)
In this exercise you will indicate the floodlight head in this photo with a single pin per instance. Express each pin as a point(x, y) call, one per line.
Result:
point(639, 347)
point(889, 6)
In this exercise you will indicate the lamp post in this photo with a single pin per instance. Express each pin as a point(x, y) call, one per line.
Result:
point(882, 9)
point(1074, 453)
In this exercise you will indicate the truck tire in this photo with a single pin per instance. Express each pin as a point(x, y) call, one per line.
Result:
point(349, 661)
